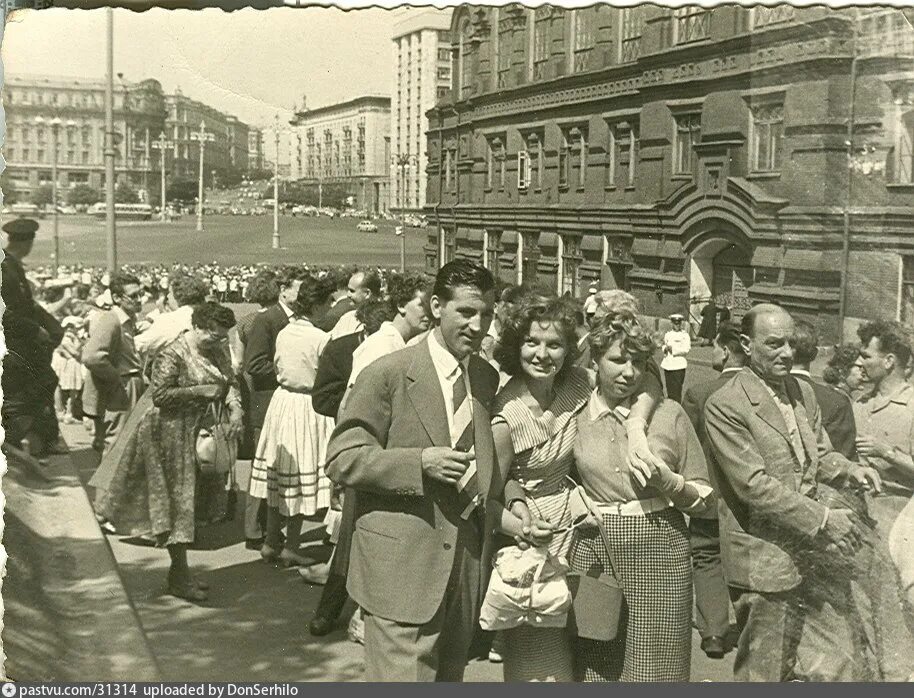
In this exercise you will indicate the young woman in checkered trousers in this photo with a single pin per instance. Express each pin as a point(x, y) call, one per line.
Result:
point(534, 427)
point(643, 520)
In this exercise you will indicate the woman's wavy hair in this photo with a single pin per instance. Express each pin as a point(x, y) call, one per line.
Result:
point(621, 326)
point(840, 363)
point(188, 289)
point(542, 309)
point(210, 315)
point(312, 294)
point(263, 288)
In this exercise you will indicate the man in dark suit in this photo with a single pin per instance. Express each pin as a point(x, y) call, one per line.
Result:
point(31, 336)
point(341, 303)
point(772, 460)
point(837, 412)
point(712, 598)
point(259, 352)
point(415, 442)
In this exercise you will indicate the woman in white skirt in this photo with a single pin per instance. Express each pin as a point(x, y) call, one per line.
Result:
point(289, 462)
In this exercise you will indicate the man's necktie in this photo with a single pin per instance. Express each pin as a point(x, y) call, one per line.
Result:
point(462, 440)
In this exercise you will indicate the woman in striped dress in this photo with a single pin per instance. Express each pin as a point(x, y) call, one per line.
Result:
point(643, 523)
point(534, 430)
point(288, 466)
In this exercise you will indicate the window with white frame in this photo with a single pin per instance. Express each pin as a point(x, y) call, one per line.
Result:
point(688, 133)
point(766, 138)
point(631, 29)
point(583, 32)
point(691, 23)
point(626, 136)
point(534, 143)
point(611, 156)
point(523, 170)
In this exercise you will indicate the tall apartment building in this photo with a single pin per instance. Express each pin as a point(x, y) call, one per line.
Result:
point(32, 105)
point(228, 150)
point(255, 148)
point(422, 56)
point(346, 143)
point(745, 154)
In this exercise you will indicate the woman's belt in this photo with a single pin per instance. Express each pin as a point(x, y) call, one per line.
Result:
point(300, 391)
point(636, 507)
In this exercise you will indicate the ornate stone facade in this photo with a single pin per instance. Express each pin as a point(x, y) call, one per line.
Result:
point(683, 154)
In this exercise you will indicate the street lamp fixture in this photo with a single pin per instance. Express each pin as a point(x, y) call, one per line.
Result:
point(55, 123)
point(204, 137)
point(162, 145)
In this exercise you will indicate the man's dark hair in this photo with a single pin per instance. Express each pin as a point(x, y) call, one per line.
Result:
point(290, 274)
point(188, 289)
point(728, 336)
point(892, 339)
point(312, 294)
point(840, 363)
point(461, 272)
point(402, 288)
point(513, 293)
point(263, 289)
point(120, 280)
point(209, 316)
point(805, 342)
point(370, 280)
point(373, 313)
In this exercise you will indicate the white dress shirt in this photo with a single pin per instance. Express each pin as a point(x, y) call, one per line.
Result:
point(448, 370)
point(347, 324)
point(385, 341)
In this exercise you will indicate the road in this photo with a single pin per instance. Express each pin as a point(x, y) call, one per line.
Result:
point(254, 626)
point(230, 240)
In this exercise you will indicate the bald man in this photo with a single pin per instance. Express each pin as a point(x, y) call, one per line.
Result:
point(781, 543)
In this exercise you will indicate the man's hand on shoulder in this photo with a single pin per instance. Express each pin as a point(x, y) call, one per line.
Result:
point(445, 464)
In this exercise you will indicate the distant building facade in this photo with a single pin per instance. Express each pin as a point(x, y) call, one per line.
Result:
point(255, 148)
point(346, 143)
point(422, 60)
point(228, 150)
point(32, 103)
point(683, 154)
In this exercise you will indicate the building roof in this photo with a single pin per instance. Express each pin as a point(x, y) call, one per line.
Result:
point(416, 19)
point(382, 101)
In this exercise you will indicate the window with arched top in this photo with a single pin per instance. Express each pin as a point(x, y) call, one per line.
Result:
point(465, 68)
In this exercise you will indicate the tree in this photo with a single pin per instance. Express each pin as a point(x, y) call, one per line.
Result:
point(6, 185)
point(182, 190)
point(84, 195)
point(43, 195)
point(125, 194)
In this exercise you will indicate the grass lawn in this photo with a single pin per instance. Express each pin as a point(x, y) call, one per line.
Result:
point(230, 240)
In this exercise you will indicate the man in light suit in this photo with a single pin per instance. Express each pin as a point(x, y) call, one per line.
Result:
point(415, 442)
point(780, 543)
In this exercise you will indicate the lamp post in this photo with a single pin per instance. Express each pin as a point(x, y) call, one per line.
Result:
point(162, 144)
point(110, 226)
point(55, 124)
point(275, 242)
point(203, 136)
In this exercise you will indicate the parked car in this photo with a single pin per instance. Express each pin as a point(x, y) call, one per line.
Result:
point(367, 227)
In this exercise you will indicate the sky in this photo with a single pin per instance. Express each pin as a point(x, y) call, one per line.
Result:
point(249, 63)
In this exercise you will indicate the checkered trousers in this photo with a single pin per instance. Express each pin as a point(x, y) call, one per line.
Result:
point(654, 566)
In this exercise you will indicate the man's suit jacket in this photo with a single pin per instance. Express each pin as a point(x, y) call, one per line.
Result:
point(693, 402)
point(332, 316)
point(259, 352)
point(333, 373)
point(768, 512)
point(837, 417)
point(105, 390)
point(406, 523)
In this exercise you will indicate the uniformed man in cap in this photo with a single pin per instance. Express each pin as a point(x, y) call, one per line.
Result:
point(31, 336)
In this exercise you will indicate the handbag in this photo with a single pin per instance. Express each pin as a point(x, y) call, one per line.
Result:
point(597, 597)
point(217, 451)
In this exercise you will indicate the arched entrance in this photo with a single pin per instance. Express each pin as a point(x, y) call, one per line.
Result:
point(720, 268)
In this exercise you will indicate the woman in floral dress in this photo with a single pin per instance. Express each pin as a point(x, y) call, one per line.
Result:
point(153, 488)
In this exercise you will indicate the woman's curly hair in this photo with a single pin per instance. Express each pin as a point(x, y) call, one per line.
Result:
point(263, 289)
point(621, 326)
point(312, 294)
point(210, 315)
point(188, 289)
point(543, 310)
point(840, 363)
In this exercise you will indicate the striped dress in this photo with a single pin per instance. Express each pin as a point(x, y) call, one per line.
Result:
point(543, 456)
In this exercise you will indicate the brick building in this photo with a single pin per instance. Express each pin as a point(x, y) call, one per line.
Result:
point(683, 154)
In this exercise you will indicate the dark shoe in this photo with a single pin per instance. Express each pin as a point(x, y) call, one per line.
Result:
point(320, 626)
point(287, 558)
point(714, 647)
point(253, 543)
point(268, 553)
point(189, 592)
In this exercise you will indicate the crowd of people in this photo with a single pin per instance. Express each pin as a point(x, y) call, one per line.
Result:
point(472, 445)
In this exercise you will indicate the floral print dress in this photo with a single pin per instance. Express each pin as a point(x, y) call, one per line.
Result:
point(156, 486)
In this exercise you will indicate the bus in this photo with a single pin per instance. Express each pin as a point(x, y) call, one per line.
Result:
point(127, 212)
